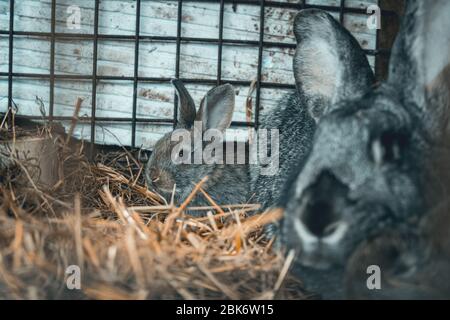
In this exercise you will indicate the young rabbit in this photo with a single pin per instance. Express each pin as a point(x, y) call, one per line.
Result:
point(329, 66)
point(227, 183)
point(369, 167)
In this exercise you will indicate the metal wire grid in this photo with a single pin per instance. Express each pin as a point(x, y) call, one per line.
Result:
point(178, 39)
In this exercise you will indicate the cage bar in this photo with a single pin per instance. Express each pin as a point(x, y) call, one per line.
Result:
point(342, 12)
point(260, 56)
point(220, 42)
point(52, 61)
point(136, 72)
point(94, 72)
point(10, 60)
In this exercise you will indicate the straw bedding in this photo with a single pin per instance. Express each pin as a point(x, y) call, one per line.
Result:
point(128, 241)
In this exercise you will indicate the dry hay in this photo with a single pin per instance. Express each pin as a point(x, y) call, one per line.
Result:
point(129, 242)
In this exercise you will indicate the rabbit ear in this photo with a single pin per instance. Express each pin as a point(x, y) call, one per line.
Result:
point(217, 107)
point(186, 105)
point(420, 62)
point(329, 64)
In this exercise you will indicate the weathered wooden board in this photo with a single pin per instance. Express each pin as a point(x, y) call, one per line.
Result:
point(41, 155)
point(156, 59)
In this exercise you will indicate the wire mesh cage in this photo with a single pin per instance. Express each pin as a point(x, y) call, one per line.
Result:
point(123, 54)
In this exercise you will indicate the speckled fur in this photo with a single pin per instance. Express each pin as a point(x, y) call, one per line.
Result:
point(409, 112)
point(296, 128)
point(226, 184)
point(297, 113)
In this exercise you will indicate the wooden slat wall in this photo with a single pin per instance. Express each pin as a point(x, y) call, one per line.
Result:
point(157, 59)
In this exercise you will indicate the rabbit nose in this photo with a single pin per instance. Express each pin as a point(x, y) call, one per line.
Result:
point(325, 201)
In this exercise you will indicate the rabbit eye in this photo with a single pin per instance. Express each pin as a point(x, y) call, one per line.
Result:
point(181, 154)
point(387, 148)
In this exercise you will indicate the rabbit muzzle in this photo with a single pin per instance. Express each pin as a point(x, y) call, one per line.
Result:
point(325, 220)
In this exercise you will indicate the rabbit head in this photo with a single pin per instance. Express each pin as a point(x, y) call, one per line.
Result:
point(369, 164)
point(326, 56)
point(162, 172)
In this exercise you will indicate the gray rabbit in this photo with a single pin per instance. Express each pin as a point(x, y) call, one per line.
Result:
point(329, 66)
point(227, 183)
point(372, 163)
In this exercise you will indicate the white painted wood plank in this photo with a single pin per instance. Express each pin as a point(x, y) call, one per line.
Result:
point(4, 15)
point(4, 54)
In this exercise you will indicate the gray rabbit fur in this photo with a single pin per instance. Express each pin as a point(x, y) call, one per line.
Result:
point(326, 56)
point(297, 114)
point(227, 183)
point(372, 163)
point(414, 261)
